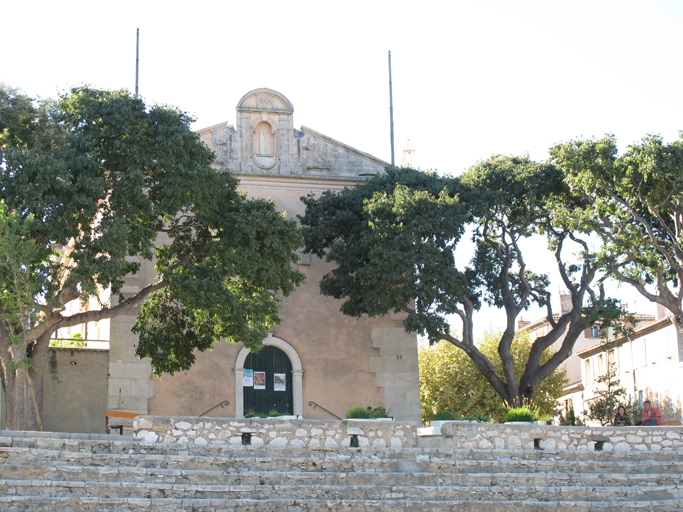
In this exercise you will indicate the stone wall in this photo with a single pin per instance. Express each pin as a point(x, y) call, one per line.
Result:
point(549, 437)
point(75, 390)
point(275, 432)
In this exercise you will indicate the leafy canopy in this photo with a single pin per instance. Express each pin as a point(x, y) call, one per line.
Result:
point(97, 177)
point(634, 203)
point(395, 240)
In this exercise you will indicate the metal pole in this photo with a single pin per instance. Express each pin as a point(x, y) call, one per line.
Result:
point(137, 62)
point(391, 112)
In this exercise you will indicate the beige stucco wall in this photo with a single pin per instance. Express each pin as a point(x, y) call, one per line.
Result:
point(346, 361)
point(75, 390)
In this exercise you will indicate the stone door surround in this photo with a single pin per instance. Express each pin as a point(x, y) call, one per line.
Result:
point(297, 375)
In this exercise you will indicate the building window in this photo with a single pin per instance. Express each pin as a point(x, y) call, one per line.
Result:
point(587, 369)
point(594, 332)
point(601, 365)
point(669, 345)
point(612, 360)
point(641, 356)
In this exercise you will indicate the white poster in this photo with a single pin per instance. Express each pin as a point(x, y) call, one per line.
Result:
point(259, 380)
point(248, 379)
point(279, 382)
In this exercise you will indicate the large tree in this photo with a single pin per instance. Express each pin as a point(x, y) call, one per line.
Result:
point(450, 381)
point(394, 241)
point(97, 177)
point(634, 203)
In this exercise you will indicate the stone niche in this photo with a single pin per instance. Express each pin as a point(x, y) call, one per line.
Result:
point(264, 125)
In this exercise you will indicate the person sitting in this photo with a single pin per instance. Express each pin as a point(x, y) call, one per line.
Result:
point(621, 419)
point(651, 415)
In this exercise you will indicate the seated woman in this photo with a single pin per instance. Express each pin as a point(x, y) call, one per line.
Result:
point(621, 419)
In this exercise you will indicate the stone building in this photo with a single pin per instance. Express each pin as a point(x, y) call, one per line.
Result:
point(317, 363)
point(649, 365)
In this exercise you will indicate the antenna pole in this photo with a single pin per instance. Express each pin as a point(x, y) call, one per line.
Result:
point(391, 113)
point(137, 62)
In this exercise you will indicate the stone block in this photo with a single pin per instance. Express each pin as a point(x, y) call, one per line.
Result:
point(139, 370)
point(513, 442)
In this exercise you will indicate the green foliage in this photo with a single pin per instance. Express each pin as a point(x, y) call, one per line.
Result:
point(379, 412)
point(98, 176)
point(634, 411)
point(479, 418)
point(450, 380)
point(634, 203)
point(570, 419)
point(69, 343)
point(358, 413)
point(443, 416)
point(393, 241)
point(525, 413)
point(603, 407)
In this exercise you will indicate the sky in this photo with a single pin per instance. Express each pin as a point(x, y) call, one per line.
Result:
point(470, 79)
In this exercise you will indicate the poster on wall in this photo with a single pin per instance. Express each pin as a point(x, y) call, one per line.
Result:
point(259, 380)
point(248, 379)
point(279, 382)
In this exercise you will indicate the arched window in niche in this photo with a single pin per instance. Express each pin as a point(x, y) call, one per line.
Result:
point(264, 139)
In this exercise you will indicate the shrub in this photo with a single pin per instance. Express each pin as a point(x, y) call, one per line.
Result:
point(358, 413)
point(379, 412)
point(525, 413)
point(479, 418)
point(444, 416)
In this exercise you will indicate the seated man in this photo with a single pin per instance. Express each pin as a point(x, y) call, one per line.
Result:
point(651, 415)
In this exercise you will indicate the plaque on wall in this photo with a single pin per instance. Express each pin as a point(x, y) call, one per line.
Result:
point(259, 380)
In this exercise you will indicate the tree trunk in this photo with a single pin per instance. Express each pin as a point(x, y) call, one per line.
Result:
point(19, 411)
point(17, 406)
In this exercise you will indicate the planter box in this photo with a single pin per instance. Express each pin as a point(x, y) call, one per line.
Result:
point(436, 425)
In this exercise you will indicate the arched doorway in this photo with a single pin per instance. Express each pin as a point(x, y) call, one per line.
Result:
point(271, 388)
point(296, 376)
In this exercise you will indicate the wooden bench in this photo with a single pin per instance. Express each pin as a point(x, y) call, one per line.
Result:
point(120, 415)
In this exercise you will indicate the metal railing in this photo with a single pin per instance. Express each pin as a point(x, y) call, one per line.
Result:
point(318, 405)
point(221, 404)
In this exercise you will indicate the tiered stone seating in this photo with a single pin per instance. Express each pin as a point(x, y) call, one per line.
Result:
point(50, 472)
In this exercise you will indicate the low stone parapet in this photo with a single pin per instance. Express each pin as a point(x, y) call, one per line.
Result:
point(492, 436)
point(276, 432)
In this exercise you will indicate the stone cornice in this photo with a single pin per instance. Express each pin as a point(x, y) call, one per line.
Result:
point(301, 183)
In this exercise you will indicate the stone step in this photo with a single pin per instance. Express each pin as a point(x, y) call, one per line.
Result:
point(255, 478)
point(333, 461)
point(343, 492)
point(70, 504)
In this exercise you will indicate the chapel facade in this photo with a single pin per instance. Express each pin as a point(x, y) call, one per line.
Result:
point(317, 363)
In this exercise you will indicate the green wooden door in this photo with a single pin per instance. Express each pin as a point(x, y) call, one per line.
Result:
point(274, 364)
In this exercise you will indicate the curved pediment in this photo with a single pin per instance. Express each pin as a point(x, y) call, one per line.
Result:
point(263, 100)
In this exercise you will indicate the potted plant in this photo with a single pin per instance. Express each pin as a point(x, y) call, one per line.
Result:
point(521, 415)
point(358, 413)
point(380, 413)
